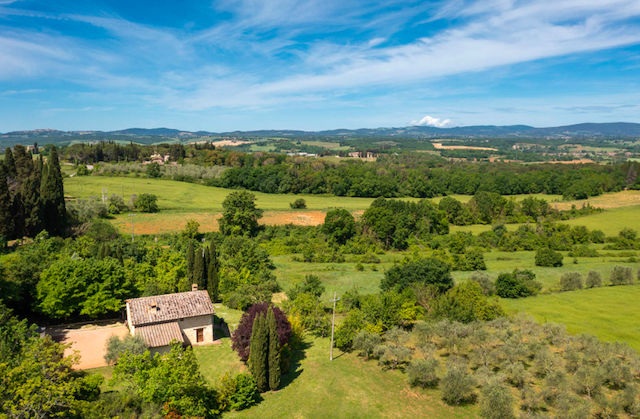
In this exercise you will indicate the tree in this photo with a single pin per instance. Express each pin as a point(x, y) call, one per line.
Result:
point(212, 273)
point(298, 204)
point(52, 195)
point(622, 275)
point(23, 162)
point(147, 203)
point(153, 170)
point(240, 215)
point(258, 358)
point(191, 259)
point(6, 216)
point(311, 285)
point(466, 303)
point(423, 372)
point(339, 225)
point(519, 283)
point(485, 282)
point(366, 342)
point(594, 279)
point(241, 338)
point(274, 351)
point(496, 401)
point(237, 392)
point(199, 269)
point(457, 385)
point(548, 257)
point(422, 271)
point(570, 281)
point(135, 345)
point(32, 206)
point(9, 163)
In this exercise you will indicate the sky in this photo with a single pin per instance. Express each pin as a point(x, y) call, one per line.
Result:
point(316, 64)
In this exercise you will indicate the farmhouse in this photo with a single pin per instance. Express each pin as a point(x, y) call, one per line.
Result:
point(185, 316)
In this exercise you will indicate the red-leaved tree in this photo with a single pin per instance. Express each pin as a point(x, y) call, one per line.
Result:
point(241, 339)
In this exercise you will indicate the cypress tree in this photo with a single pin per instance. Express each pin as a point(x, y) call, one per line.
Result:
point(6, 216)
point(199, 272)
point(190, 261)
point(119, 254)
point(212, 273)
point(18, 216)
point(32, 206)
point(258, 352)
point(10, 163)
point(274, 351)
point(23, 163)
point(52, 193)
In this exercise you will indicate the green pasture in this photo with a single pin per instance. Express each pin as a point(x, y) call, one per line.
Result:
point(611, 221)
point(610, 313)
point(347, 387)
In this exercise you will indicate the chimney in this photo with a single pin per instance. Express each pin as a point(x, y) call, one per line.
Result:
point(194, 287)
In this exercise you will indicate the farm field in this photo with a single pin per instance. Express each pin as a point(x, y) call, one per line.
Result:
point(610, 313)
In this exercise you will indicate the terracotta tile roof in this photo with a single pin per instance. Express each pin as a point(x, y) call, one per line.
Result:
point(160, 334)
point(163, 308)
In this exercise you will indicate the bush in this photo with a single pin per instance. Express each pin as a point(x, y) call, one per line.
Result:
point(311, 285)
point(621, 275)
point(570, 281)
point(237, 392)
point(457, 385)
point(153, 170)
point(298, 204)
point(423, 372)
point(359, 267)
point(485, 282)
point(428, 271)
point(241, 338)
point(466, 303)
point(146, 203)
point(496, 401)
point(116, 347)
point(548, 257)
point(594, 279)
point(116, 204)
point(517, 284)
point(583, 252)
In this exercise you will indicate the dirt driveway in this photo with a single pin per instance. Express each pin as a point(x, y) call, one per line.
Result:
point(89, 340)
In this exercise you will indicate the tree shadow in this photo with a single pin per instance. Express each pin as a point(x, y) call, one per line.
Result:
point(298, 354)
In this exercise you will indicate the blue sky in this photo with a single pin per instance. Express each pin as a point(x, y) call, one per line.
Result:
point(316, 64)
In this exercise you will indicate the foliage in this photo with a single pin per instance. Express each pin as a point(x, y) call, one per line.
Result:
point(259, 352)
point(548, 257)
point(423, 372)
point(570, 281)
point(457, 385)
point(519, 283)
point(147, 203)
point(153, 170)
point(594, 279)
point(240, 215)
point(339, 225)
point(241, 337)
point(237, 392)
point(496, 401)
point(365, 342)
point(135, 345)
point(622, 275)
point(466, 303)
point(299, 203)
point(485, 282)
point(311, 285)
point(428, 271)
point(273, 361)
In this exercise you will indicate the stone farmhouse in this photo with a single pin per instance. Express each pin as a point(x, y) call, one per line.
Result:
point(185, 316)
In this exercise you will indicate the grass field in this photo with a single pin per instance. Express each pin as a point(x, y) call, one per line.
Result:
point(610, 313)
point(348, 387)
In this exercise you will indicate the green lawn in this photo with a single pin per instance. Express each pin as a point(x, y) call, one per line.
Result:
point(610, 221)
point(610, 313)
point(348, 387)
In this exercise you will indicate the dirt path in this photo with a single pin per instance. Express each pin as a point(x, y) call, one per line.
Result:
point(89, 341)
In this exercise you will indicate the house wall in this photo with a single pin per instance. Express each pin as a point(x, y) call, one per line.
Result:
point(189, 325)
point(131, 326)
point(160, 350)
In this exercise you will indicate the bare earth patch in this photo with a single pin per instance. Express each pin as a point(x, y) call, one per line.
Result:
point(439, 146)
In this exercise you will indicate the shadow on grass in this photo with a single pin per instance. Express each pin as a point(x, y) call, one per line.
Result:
point(299, 353)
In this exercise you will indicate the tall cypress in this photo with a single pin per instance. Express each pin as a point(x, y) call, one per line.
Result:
point(6, 216)
point(32, 206)
point(18, 216)
point(23, 162)
point(274, 351)
point(212, 273)
point(258, 352)
point(119, 254)
point(190, 261)
point(10, 163)
point(199, 272)
point(52, 194)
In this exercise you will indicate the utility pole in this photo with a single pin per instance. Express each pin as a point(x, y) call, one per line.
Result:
point(132, 215)
point(333, 323)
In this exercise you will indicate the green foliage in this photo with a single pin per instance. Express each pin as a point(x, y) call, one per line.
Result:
point(259, 356)
point(52, 195)
point(485, 282)
point(14, 335)
point(191, 230)
point(237, 392)
point(274, 351)
point(366, 342)
point(423, 372)
point(457, 385)
point(428, 271)
point(519, 283)
point(135, 345)
point(339, 225)
point(172, 379)
point(466, 303)
point(311, 285)
point(213, 280)
point(570, 281)
point(147, 203)
point(116, 204)
point(153, 170)
point(298, 204)
point(240, 215)
point(496, 401)
point(548, 257)
point(594, 279)
point(622, 275)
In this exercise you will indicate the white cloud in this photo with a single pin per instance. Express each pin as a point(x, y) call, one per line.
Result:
point(429, 121)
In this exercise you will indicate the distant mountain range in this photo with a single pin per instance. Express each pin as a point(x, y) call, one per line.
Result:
point(615, 129)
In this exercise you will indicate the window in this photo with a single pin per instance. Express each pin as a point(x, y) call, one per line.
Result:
point(199, 335)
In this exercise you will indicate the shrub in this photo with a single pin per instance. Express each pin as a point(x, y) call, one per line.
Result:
point(548, 257)
point(311, 285)
point(423, 372)
point(298, 204)
point(116, 204)
point(339, 225)
point(241, 338)
point(621, 275)
point(517, 284)
point(366, 342)
point(153, 170)
point(466, 303)
point(457, 385)
point(359, 267)
point(428, 271)
point(597, 236)
point(116, 347)
point(485, 282)
point(594, 279)
point(583, 252)
point(570, 281)
point(496, 401)
point(147, 203)
point(237, 392)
